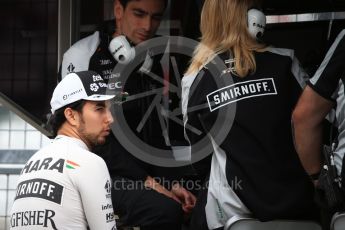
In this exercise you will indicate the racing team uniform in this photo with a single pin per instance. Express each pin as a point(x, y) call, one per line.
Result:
point(328, 82)
point(63, 186)
point(136, 206)
point(255, 170)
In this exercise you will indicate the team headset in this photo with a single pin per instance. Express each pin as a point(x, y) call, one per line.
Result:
point(121, 49)
point(124, 52)
point(256, 20)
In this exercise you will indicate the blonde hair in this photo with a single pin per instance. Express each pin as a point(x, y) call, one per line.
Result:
point(223, 27)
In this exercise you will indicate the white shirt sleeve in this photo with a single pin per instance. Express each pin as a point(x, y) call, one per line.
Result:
point(94, 185)
point(77, 57)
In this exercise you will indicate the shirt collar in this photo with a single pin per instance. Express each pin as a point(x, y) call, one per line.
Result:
point(77, 141)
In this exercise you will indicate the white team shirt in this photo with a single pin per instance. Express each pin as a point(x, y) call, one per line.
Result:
point(63, 186)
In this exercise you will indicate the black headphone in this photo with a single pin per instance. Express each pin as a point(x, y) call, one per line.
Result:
point(256, 21)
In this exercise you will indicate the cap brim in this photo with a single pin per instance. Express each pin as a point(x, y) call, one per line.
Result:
point(98, 97)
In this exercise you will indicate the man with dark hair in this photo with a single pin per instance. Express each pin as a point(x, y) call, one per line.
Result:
point(124, 2)
point(151, 206)
point(64, 185)
point(137, 20)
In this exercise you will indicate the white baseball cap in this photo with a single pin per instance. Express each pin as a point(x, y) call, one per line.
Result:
point(85, 85)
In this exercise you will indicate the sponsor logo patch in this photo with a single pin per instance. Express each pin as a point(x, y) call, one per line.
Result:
point(105, 62)
point(44, 164)
point(40, 188)
point(107, 188)
point(97, 78)
point(94, 87)
point(115, 85)
point(44, 218)
point(240, 91)
point(64, 97)
point(110, 217)
point(70, 68)
point(107, 206)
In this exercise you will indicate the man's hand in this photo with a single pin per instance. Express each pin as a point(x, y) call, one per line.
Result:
point(316, 183)
point(152, 183)
point(186, 198)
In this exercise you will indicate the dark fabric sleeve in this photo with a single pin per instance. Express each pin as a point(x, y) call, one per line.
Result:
point(119, 161)
point(326, 79)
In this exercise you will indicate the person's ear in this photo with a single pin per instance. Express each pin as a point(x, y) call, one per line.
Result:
point(72, 117)
point(118, 10)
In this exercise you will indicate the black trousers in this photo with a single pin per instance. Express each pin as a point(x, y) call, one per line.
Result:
point(198, 217)
point(143, 207)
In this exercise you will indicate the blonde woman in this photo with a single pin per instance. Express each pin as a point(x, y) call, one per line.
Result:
point(241, 93)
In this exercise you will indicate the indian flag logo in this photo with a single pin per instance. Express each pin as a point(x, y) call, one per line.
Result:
point(71, 164)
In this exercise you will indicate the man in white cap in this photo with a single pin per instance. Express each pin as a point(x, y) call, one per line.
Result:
point(64, 185)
